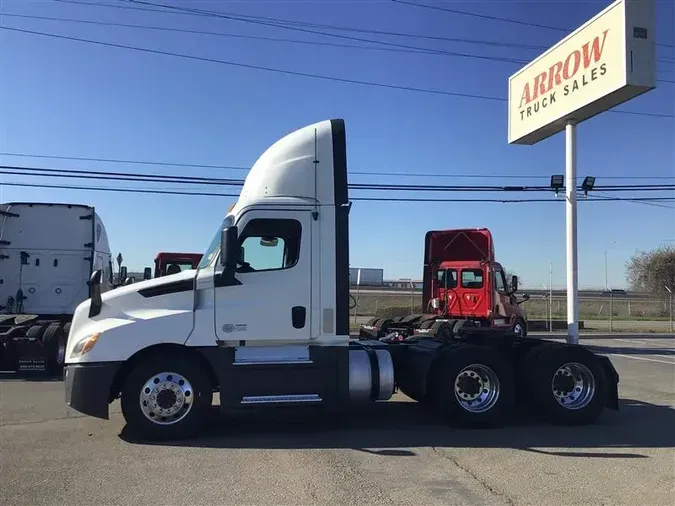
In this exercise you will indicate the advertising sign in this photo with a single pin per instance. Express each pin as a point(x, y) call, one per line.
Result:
point(605, 62)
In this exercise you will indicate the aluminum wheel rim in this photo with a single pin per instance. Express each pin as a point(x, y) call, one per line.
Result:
point(477, 388)
point(573, 385)
point(166, 398)
point(518, 329)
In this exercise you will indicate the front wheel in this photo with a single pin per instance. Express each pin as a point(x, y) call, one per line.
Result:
point(166, 397)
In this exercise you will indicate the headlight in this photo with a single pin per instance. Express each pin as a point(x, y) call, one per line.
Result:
point(85, 344)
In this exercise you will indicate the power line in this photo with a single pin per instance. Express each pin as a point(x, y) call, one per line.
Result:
point(155, 178)
point(373, 199)
point(276, 24)
point(282, 22)
point(295, 73)
point(353, 173)
point(315, 32)
point(654, 204)
point(280, 71)
point(402, 50)
point(233, 35)
point(496, 18)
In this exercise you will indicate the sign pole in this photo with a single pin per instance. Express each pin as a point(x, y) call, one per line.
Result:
point(571, 223)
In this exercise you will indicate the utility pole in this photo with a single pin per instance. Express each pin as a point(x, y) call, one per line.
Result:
point(550, 296)
point(670, 304)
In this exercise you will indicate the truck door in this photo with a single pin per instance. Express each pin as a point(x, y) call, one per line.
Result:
point(504, 310)
point(271, 298)
point(473, 300)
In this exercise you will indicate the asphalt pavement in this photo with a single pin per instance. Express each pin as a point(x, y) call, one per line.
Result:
point(389, 453)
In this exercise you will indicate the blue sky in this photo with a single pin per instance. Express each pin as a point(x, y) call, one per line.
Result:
point(66, 98)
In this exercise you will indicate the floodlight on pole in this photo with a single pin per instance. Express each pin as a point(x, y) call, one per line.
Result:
point(557, 183)
point(588, 184)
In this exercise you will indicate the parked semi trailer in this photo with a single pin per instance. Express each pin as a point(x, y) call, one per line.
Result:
point(273, 330)
point(47, 255)
point(462, 285)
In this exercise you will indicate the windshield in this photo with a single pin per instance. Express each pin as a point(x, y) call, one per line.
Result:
point(214, 248)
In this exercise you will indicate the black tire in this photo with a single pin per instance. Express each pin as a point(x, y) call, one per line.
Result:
point(413, 318)
point(371, 322)
point(199, 397)
point(384, 323)
point(36, 331)
point(544, 365)
point(442, 380)
point(520, 323)
point(54, 346)
point(443, 330)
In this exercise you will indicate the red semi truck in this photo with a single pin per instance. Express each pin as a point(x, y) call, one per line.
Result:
point(463, 285)
point(167, 263)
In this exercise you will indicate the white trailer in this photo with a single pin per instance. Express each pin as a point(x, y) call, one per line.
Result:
point(47, 255)
point(264, 321)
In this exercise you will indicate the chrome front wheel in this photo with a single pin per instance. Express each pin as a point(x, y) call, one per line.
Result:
point(166, 398)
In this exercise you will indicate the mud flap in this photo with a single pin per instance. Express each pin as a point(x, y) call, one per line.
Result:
point(612, 378)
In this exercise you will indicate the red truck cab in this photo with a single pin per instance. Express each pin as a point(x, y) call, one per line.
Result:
point(167, 263)
point(462, 280)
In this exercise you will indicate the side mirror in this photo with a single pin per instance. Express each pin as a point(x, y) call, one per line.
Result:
point(95, 278)
point(129, 281)
point(147, 273)
point(514, 284)
point(229, 249)
point(123, 273)
point(95, 293)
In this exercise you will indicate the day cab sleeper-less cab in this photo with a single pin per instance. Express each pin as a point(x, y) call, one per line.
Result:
point(264, 321)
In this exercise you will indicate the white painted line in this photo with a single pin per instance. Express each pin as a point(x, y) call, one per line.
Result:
point(631, 341)
point(643, 358)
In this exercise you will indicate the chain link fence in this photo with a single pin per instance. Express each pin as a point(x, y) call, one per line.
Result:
point(607, 308)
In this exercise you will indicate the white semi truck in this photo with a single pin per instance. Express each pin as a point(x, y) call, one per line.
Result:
point(47, 254)
point(264, 321)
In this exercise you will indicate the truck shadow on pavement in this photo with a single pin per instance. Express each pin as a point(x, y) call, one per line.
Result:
point(396, 428)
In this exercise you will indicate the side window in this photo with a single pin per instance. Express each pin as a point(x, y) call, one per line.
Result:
point(499, 281)
point(472, 278)
point(270, 244)
point(450, 275)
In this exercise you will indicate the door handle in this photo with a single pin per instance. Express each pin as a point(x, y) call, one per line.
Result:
point(298, 316)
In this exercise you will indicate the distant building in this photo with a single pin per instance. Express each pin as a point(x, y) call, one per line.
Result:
point(369, 277)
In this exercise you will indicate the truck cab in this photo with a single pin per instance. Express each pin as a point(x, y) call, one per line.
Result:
point(462, 280)
point(264, 322)
point(167, 263)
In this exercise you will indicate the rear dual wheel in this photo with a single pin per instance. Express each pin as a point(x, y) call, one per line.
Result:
point(565, 384)
point(473, 386)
